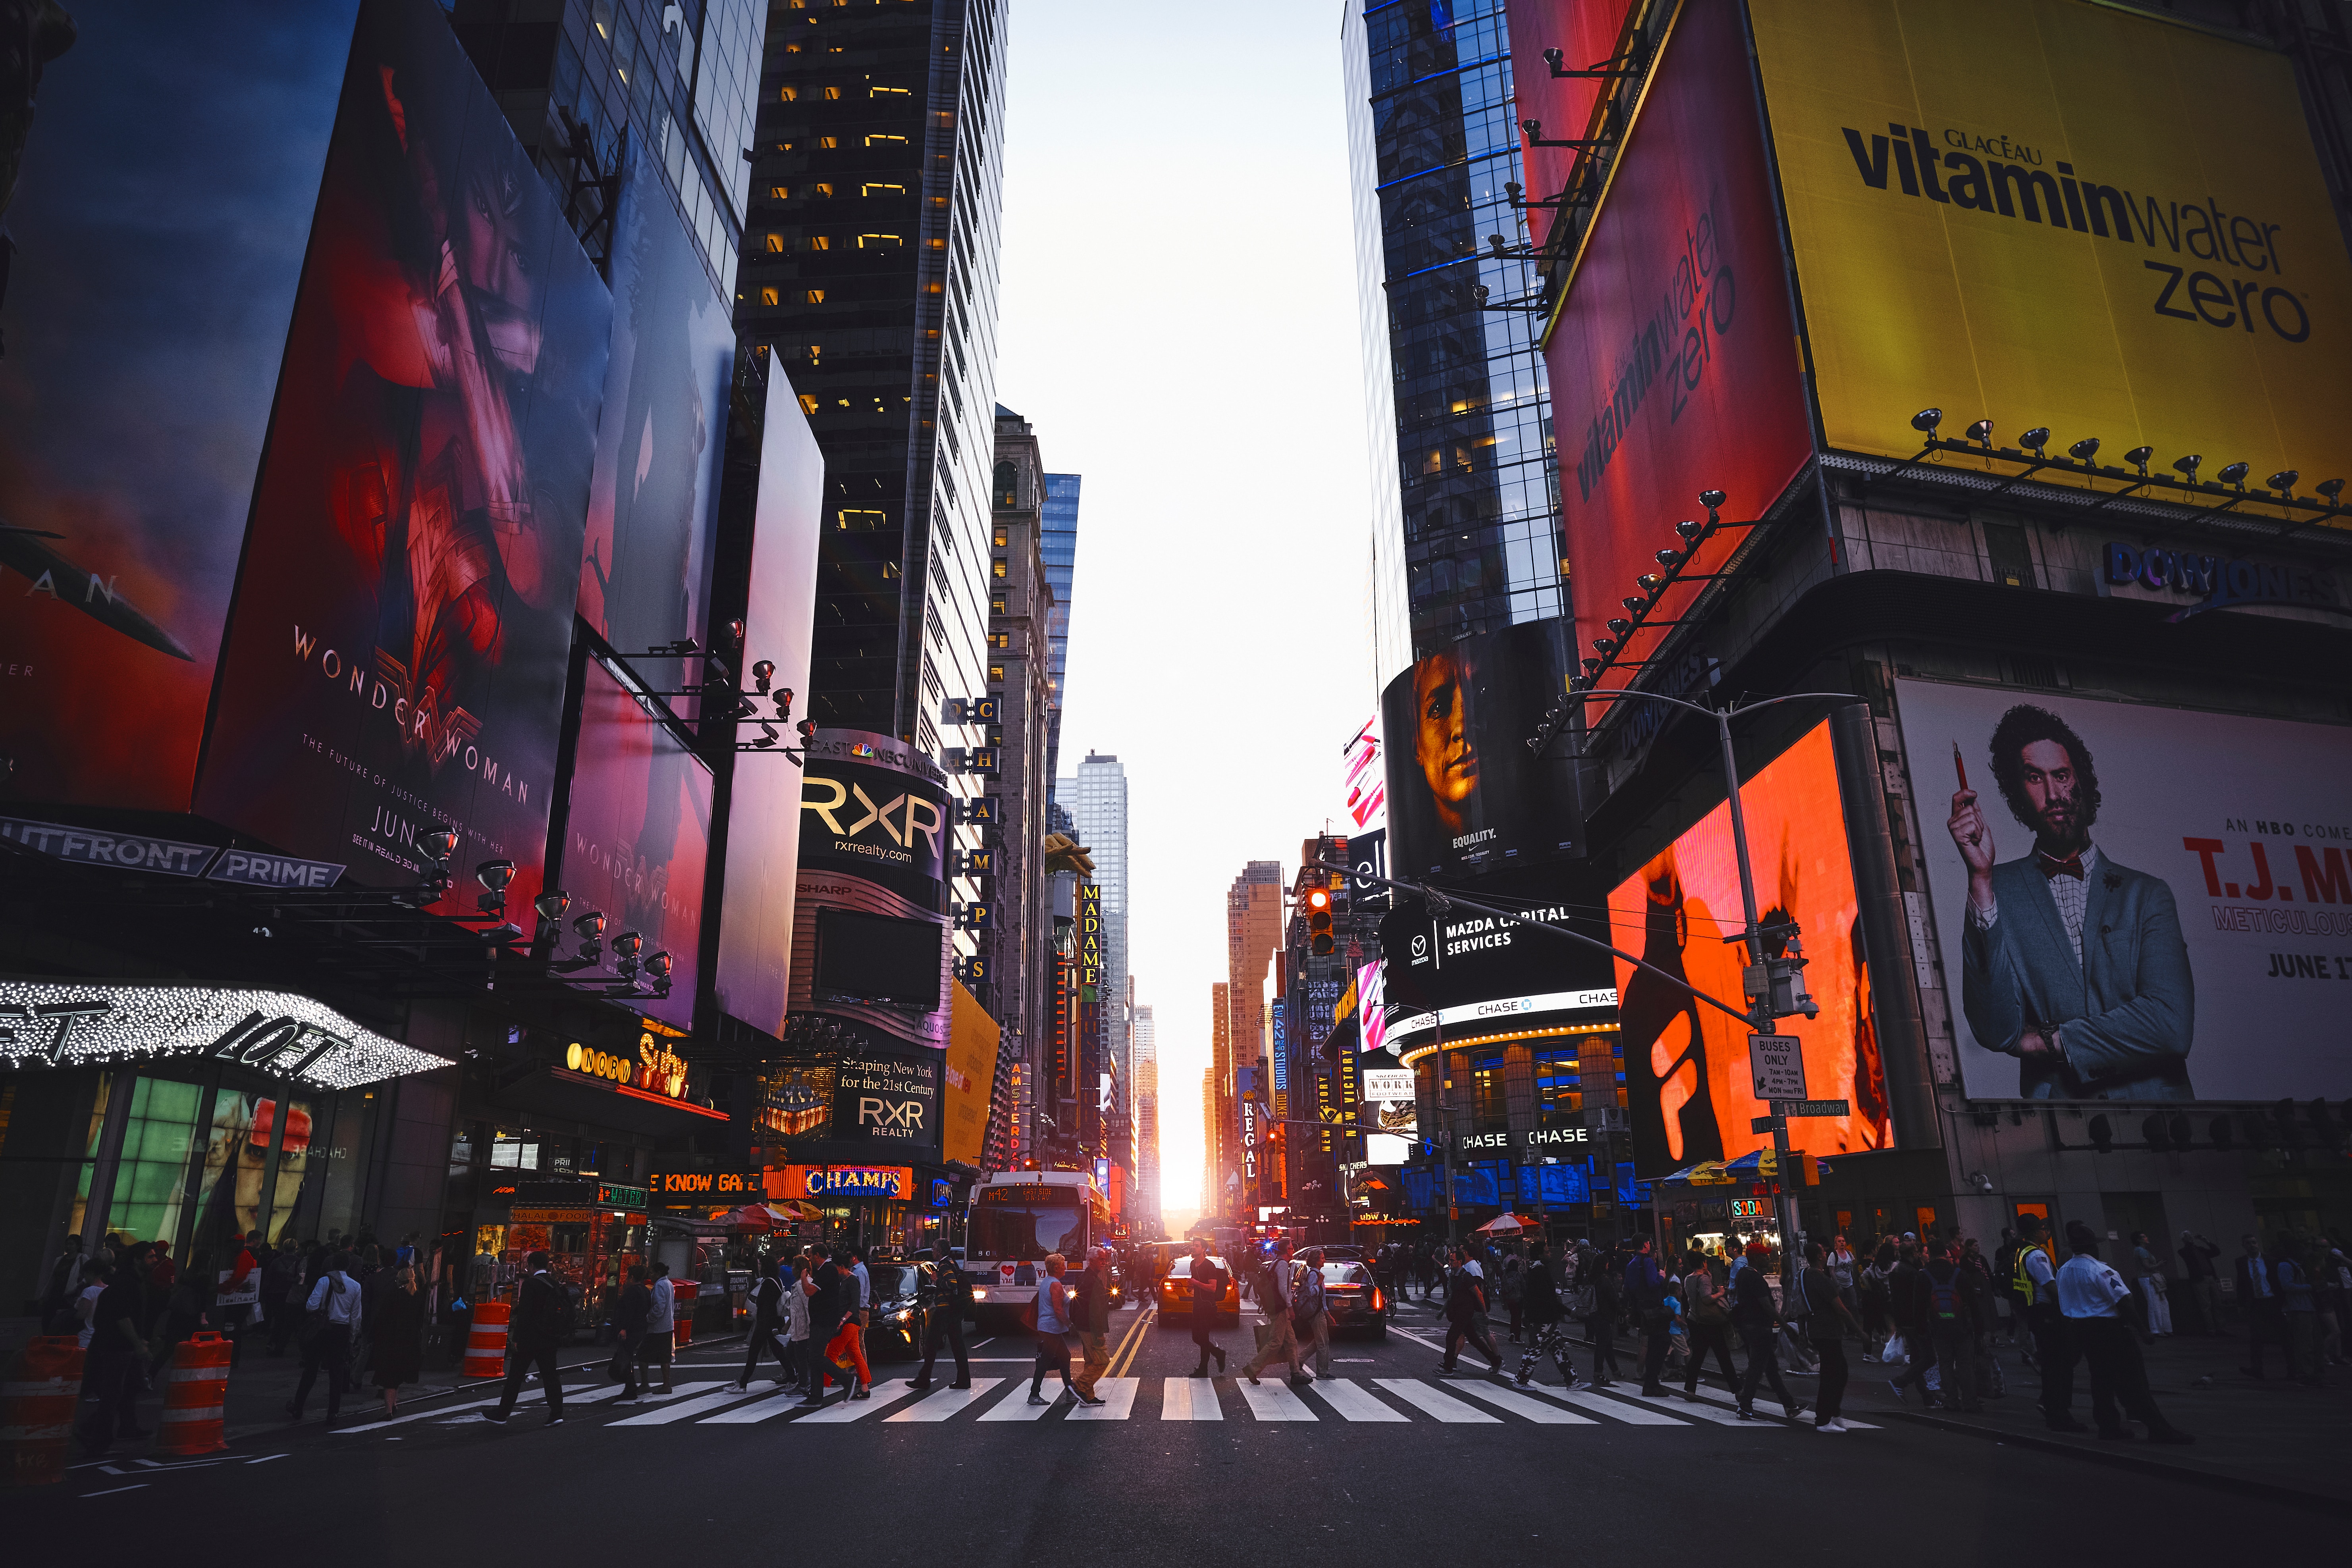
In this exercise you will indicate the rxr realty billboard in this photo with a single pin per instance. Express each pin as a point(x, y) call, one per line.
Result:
point(2055, 212)
point(2134, 903)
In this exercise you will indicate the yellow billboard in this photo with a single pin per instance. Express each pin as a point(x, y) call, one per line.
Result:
point(972, 1038)
point(2056, 213)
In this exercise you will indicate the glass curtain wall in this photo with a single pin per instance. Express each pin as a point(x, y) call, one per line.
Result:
point(1479, 502)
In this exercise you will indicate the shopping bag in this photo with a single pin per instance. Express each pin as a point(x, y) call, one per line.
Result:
point(1895, 1350)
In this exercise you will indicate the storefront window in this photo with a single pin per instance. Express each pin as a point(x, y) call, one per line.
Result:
point(1560, 1098)
point(151, 1181)
point(1489, 1109)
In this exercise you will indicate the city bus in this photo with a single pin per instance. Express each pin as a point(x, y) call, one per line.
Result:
point(1018, 1217)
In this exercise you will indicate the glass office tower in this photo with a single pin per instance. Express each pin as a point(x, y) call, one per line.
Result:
point(1468, 511)
point(1058, 540)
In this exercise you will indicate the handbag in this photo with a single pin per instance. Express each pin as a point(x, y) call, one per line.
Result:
point(306, 1331)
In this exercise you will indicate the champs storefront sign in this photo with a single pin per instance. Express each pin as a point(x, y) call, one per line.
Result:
point(2050, 212)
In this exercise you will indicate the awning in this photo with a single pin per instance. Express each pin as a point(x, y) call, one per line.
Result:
point(559, 1092)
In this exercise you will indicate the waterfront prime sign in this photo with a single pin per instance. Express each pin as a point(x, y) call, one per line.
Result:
point(2055, 213)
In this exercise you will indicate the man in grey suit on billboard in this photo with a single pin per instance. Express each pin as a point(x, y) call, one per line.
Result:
point(2071, 963)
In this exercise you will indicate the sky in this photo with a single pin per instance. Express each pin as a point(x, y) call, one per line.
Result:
point(1178, 327)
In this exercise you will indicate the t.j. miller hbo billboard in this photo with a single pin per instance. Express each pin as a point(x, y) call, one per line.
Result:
point(2056, 213)
point(2134, 903)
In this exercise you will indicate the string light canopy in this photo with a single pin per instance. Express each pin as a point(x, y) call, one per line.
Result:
point(91, 1023)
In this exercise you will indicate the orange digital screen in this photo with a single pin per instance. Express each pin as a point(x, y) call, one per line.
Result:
point(1689, 1090)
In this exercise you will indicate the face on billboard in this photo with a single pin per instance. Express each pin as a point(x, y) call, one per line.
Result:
point(1465, 794)
point(155, 193)
point(636, 834)
point(645, 575)
point(763, 817)
point(2054, 213)
point(1689, 1087)
point(403, 629)
point(2209, 936)
point(1673, 363)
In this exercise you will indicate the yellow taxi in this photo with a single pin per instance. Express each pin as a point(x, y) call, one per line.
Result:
point(1175, 1292)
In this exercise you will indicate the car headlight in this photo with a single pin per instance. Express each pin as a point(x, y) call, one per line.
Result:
point(902, 1314)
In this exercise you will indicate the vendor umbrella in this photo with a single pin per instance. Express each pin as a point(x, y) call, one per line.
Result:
point(1502, 1225)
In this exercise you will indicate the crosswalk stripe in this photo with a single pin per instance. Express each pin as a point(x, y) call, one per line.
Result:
point(1615, 1409)
point(1355, 1404)
point(1117, 1397)
point(765, 1409)
point(886, 1393)
point(1721, 1397)
point(685, 1409)
point(1696, 1412)
point(571, 1398)
point(1518, 1404)
point(1437, 1403)
point(439, 1410)
point(946, 1402)
point(1189, 1399)
point(1015, 1407)
point(1274, 1402)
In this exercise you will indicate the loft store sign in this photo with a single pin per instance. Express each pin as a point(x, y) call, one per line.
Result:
point(2221, 581)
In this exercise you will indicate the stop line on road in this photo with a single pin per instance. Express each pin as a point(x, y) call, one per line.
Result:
point(1328, 1401)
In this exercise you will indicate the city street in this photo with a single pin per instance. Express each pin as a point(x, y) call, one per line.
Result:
point(1388, 1461)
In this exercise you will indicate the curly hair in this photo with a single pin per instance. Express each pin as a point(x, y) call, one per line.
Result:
point(2020, 727)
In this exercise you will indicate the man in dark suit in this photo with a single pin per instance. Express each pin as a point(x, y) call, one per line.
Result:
point(2259, 1298)
point(2071, 963)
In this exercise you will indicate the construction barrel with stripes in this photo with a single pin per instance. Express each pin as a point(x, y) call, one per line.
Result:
point(36, 1409)
point(486, 1341)
point(195, 1394)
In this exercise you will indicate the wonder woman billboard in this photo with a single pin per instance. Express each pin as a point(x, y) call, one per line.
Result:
point(396, 657)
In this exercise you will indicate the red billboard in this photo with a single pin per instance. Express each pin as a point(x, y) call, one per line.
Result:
point(395, 659)
point(1673, 366)
point(1690, 1092)
point(159, 164)
point(763, 811)
point(1587, 35)
point(637, 835)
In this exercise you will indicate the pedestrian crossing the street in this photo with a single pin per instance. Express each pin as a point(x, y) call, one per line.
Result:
point(1328, 1401)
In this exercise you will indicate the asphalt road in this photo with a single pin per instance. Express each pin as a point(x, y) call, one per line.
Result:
point(1384, 1463)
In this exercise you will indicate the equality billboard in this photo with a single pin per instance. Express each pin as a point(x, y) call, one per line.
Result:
point(2134, 902)
point(395, 660)
point(1673, 360)
point(645, 575)
point(871, 895)
point(1690, 1089)
point(2055, 213)
point(1465, 794)
point(764, 812)
point(636, 834)
point(159, 166)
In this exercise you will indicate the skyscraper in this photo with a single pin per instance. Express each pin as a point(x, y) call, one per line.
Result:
point(1146, 1046)
point(1466, 521)
point(1059, 538)
point(1097, 802)
point(870, 265)
point(1253, 936)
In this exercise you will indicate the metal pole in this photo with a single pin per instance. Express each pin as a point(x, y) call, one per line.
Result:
point(1783, 1209)
point(1445, 1135)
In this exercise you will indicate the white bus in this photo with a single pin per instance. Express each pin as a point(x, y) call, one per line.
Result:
point(1017, 1218)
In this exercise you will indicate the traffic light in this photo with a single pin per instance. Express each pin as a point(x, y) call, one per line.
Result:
point(1319, 922)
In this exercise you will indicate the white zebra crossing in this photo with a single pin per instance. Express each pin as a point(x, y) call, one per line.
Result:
point(1355, 1404)
point(946, 1402)
point(1435, 1401)
point(1189, 1399)
point(1117, 1397)
point(1274, 1402)
point(1518, 1404)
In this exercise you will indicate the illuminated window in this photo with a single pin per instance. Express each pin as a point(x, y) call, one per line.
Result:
point(808, 403)
point(814, 296)
point(996, 604)
point(881, 190)
point(789, 93)
point(770, 297)
point(828, 142)
point(885, 140)
point(939, 245)
point(820, 242)
point(823, 189)
point(1004, 537)
point(878, 242)
point(1000, 639)
point(887, 92)
point(779, 194)
point(863, 521)
point(831, 95)
point(776, 243)
point(996, 675)
point(1000, 568)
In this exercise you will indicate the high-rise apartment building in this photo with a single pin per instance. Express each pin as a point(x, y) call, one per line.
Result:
point(1221, 1174)
point(1212, 1169)
point(1145, 1042)
point(1095, 798)
point(1253, 936)
point(1060, 526)
point(870, 265)
point(1466, 534)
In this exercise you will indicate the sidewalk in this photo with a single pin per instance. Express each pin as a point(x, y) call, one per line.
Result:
point(261, 1386)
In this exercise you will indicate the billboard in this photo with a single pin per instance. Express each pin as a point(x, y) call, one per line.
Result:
point(764, 809)
point(636, 834)
point(156, 192)
point(2213, 909)
point(1689, 1091)
point(1587, 33)
point(396, 657)
point(645, 574)
point(1365, 781)
point(1465, 794)
point(1672, 358)
point(970, 1071)
point(874, 840)
point(2054, 213)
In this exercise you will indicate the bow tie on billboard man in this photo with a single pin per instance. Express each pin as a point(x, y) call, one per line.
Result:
point(2071, 963)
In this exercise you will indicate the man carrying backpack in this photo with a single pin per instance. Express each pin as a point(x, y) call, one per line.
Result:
point(767, 1316)
point(951, 1299)
point(1947, 1316)
point(1282, 1338)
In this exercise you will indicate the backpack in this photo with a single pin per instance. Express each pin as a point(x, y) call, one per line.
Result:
point(1942, 1295)
point(1306, 1298)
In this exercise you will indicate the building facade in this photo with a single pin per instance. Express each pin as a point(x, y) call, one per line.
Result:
point(1095, 798)
point(1148, 1222)
point(1254, 923)
point(1059, 527)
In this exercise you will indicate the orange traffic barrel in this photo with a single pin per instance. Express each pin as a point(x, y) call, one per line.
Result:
point(485, 1342)
point(194, 1394)
point(37, 1402)
point(683, 1293)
